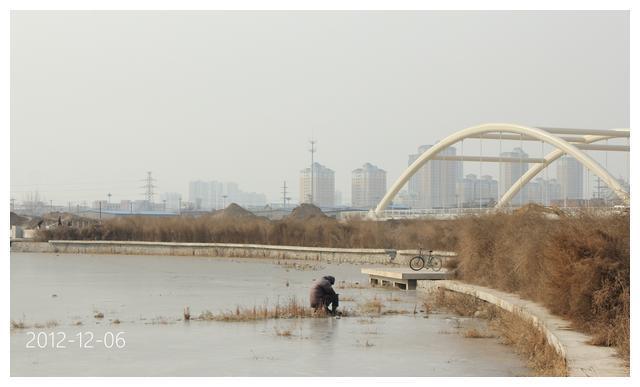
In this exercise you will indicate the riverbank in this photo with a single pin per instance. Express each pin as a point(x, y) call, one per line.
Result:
point(335, 255)
point(552, 347)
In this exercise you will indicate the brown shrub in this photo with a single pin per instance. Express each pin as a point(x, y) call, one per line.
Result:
point(577, 266)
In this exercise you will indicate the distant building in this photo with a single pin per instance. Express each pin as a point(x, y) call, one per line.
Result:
point(242, 198)
point(206, 195)
point(474, 192)
point(368, 186)
point(213, 195)
point(171, 201)
point(323, 186)
point(510, 172)
point(570, 176)
point(543, 191)
point(405, 199)
point(338, 201)
point(435, 184)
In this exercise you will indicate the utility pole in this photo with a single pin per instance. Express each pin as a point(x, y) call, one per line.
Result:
point(50, 205)
point(164, 205)
point(100, 213)
point(313, 151)
point(180, 205)
point(109, 198)
point(224, 201)
point(284, 195)
point(69, 207)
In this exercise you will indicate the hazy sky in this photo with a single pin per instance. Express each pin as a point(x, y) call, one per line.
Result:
point(99, 98)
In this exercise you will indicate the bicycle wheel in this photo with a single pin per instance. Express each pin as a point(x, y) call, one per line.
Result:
point(436, 263)
point(416, 263)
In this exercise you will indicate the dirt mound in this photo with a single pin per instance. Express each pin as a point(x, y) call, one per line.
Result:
point(233, 211)
point(17, 220)
point(306, 211)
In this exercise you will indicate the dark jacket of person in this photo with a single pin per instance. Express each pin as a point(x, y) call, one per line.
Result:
point(320, 290)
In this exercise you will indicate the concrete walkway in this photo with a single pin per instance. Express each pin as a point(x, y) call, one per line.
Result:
point(583, 359)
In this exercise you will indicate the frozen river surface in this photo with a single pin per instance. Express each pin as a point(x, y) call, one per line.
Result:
point(147, 295)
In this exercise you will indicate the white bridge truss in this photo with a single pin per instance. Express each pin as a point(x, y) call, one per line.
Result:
point(565, 141)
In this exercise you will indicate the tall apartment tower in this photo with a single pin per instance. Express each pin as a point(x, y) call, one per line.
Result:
point(368, 186)
point(324, 183)
point(510, 172)
point(435, 184)
point(543, 191)
point(477, 192)
point(570, 176)
point(206, 195)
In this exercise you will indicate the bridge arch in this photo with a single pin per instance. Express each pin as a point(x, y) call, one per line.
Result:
point(561, 145)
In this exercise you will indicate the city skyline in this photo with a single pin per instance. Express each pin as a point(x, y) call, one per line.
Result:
point(243, 106)
point(567, 177)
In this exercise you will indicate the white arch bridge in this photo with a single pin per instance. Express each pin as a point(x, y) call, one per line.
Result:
point(573, 142)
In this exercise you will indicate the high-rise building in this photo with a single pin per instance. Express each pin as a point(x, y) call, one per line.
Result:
point(510, 172)
point(542, 191)
point(213, 195)
point(434, 185)
point(570, 176)
point(368, 186)
point(206, 195)
point(245, 199)
point(324, 183)
point(474, 192)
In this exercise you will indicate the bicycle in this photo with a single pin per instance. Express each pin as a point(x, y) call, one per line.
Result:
point(418, 262)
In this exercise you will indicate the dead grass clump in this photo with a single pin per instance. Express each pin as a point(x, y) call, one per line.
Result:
point(461, 304)
point(186, 313)
point(47, 324)
point(99, 315)
point(291, 309)
point(473, 333)
point(283, 332)
point(531, 343)
point(302, 266)
point(18, 324)
point(350, 285)
point(372, 306)
point(159, 320)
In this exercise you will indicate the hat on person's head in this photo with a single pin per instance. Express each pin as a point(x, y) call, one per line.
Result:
point(330, 278)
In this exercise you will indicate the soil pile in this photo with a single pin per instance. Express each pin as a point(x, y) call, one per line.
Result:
point(306, 211)
point(233, 211)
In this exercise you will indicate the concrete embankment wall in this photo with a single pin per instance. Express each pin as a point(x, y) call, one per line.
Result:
point(375, 256)
point(582, 358)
